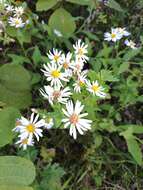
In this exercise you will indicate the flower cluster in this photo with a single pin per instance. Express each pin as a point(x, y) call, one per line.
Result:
point(118, 33)
point(30, 128)
point(62, 70)
point(15, 15)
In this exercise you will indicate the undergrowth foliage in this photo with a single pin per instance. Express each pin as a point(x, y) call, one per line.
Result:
point(71, 94)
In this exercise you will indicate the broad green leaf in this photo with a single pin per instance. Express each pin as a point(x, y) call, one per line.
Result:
point(19, 59)
point(15, 85)
point(13, 187)
point(123, 67)
point(36, 55)
point(107, 75)
point(7, 123)
point(62, 21)
point(131, 54)
point(44, 5)
point(15, 170)
point(115, 5)
point(10, 97)
point(80, 2)
point(136, 129)
point(15, 77)
point(134, 149)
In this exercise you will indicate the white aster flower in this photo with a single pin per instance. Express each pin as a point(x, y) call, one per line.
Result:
point(18, 11)
point(55, 56)
point(67, 64)
point(58, 33)
point(77, 65)
point(96, 89)
point(24, 143)
point(9, 8)
point(123, 32)
point(81, 50)
point(66, 60)
point(54, 75)
point(75, 119)
point(130, 44)
point(81, 81)
point(30, 128)
point(113, 36)
point(56, 94)
point(16, 22)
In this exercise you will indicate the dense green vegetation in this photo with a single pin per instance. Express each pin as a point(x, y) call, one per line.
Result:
point(104, 154)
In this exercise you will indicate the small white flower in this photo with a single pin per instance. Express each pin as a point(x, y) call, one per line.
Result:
point(30, 128)
point(66, 61)
point(67, 64)
point(9, 8)
point(75, 119)
point(54, 75)
point(24, 143)
point(18, 11)
point(16, 22)
point(81, 81)
point(130, 44)
point(96, 89)
point(81, 50)
point(58, 33)
point(49, 123)
point(77, 65)
point(113, 36)
point(56, 94)
point(123, 32)
point(27, 21)
point(55, 56)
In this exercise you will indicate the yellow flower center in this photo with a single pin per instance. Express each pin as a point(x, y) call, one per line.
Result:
point(95, 88)
point(113, 35)
point(55, 74)
point(65, 65)
point(56, 57)
point(73, 118)
point(80, 51)
point(25, 141)
point(30, 128)
point(81, 83)
point(17, 22)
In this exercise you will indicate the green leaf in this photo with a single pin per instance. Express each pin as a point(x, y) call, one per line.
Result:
point(52, 177)
point(134, 149)
point(18, 59)
point(7, 123)
point(131, 54)
point(114, 5)
point(15, 77)
point(16, 99)
point(15, 85)
point(62, 21)
point(11, 187)
point(15, 170)
point(107, 75)
point(44, 5)
point(36, 55)
point(80, 2)
point(123, 67)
